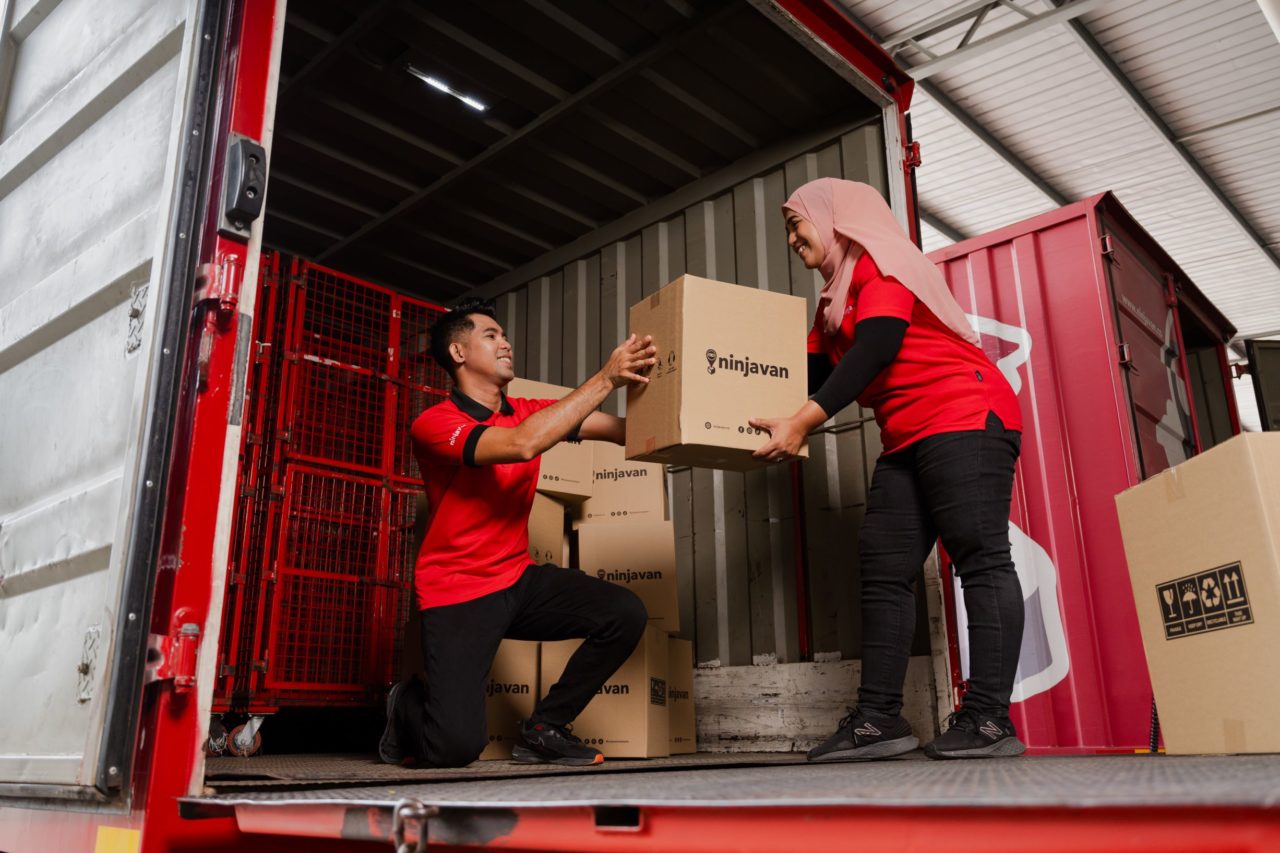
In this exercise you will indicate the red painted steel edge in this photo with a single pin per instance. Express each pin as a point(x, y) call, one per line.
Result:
point(170, 744)
point(1051, 829)
point(833, 27)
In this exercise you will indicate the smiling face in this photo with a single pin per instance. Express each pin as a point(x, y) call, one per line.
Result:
point(803, 239)
point(484, 351)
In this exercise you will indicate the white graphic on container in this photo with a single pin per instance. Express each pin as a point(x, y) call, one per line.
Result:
point(1044, 659)
point(1171, 432)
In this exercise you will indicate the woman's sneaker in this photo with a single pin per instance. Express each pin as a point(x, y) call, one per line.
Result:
point(863, 736)
point(972, 734)
point(543, 743)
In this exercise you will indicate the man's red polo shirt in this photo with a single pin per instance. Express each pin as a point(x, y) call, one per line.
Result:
point(477, 538)
point(938, 382)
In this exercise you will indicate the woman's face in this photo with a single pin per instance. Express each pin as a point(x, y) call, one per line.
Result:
point(803, 239)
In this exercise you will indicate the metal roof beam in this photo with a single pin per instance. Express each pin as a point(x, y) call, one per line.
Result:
point(567, 103)
point(945, 229)
point(997, 147)
point(368, 19)
point(665, 207)
point(969, 48)
point(983, 135)
point(1157, 123)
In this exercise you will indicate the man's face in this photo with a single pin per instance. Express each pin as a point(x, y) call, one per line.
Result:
point(485, 351)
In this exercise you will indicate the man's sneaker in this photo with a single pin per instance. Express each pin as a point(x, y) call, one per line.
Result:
point(863, 736)
point(543, 743)
point(972, 734)
point(403, 696)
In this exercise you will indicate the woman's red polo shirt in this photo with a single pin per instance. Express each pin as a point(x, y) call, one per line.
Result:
point(937, 383)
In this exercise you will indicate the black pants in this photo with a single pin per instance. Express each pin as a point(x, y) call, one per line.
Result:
point(957, 487)
point(547, 603)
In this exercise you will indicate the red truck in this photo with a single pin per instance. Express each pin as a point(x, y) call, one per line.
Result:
point(135, 147)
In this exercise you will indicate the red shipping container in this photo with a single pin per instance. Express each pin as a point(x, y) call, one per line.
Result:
point(1119, 363)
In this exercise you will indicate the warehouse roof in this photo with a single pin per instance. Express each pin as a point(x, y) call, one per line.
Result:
point(1022, 105)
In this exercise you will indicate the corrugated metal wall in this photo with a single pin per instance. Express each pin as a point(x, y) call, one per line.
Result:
point(735, 532)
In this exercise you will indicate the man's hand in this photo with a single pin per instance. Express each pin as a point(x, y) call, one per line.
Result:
point(630, 361)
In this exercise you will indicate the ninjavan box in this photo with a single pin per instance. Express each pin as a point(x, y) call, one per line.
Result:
point(727, 353)
point(564, 471)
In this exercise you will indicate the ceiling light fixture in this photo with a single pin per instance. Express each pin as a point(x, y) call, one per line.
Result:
point(437, 83)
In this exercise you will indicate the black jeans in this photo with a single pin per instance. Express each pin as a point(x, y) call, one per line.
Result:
point(956, 487)
point(547, 603)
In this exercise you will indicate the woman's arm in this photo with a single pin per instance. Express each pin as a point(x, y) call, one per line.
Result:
point(875, 345)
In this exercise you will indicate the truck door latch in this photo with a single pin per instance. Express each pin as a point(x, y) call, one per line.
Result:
point(244, 184)
point(172, 657)
point(409, 825)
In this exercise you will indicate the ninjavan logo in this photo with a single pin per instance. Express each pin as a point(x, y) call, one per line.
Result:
point(745, 365)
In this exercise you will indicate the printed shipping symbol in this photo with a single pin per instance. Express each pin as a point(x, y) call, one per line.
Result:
point(1210, 592)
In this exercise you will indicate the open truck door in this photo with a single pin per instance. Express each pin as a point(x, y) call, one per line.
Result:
point(1264, 367)
point(131, 175)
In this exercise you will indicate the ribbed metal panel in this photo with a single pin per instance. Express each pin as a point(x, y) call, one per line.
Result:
point(90, 137)
point(735, 532)
point(1210, 71)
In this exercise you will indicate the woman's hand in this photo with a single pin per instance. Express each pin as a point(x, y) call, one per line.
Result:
point(787, 435)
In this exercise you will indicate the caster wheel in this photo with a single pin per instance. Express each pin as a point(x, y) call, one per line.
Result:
point(235, 747)
point(216, 743)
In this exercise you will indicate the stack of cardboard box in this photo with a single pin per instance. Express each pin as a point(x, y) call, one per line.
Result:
point(619, 519)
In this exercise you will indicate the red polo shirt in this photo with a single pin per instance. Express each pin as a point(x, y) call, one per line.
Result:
point(937, 383)
point(477, 538)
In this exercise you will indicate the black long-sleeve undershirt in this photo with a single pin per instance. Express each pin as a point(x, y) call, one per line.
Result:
point(876, 342)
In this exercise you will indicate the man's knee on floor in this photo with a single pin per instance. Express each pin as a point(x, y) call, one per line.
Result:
point(457, 753)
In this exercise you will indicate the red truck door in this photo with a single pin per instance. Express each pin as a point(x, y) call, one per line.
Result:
point(1151, 353)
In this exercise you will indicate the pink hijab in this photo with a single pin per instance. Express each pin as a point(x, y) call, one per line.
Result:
point(847, 215)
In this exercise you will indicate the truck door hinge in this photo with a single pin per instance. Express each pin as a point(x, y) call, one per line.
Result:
point(1108, 248)
point(172, 657)
point(218, 285)
point(218, 288)
point(409, 825)
point(1126, 358)
point(911, 157)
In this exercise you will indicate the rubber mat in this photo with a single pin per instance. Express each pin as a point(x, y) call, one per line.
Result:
point(227, 773)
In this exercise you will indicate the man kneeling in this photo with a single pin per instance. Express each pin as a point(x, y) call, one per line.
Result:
point(479, 455)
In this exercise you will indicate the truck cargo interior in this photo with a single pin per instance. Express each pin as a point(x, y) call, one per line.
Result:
point(227, 227)
point(568, 163)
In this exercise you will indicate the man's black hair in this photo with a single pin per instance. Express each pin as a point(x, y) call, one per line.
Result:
point(453, 324)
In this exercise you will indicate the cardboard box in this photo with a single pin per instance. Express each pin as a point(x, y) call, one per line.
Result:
point(682, 722)
point(547, 540)
point(640, 556)
point(565, 471)
point(623, 490)
point(726, 354)
point(628, 716)
point(1203, 546)
point(511, 691)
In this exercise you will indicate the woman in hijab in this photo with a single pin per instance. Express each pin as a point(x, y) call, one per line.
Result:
point(889, 334)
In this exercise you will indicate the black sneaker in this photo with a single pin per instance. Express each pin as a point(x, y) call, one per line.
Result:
point(543, 743)
point(401, 699)
point(863, 736)
point(971, 734)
